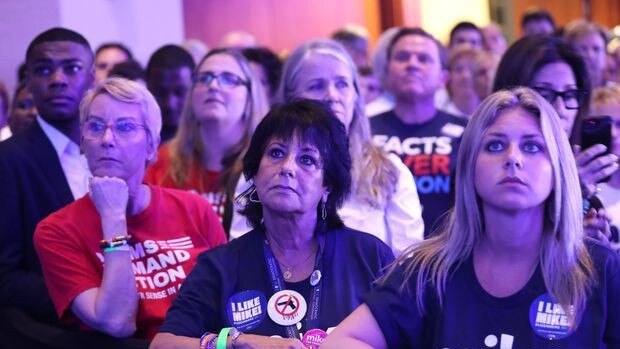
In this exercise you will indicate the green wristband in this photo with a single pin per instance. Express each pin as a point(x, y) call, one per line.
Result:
point(222, 338)
point(117, 248)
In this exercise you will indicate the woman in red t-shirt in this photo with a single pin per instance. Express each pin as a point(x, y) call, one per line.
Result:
point(225, 103)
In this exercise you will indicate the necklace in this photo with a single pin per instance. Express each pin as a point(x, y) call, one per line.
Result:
point(287, 274)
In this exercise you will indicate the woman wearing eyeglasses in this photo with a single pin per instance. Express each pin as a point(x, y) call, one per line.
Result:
point(558, 73)
point(115, 259)
point(225, 103)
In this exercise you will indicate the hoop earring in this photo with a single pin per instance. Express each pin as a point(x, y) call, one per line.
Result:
point(255, 194)
point(323, 210)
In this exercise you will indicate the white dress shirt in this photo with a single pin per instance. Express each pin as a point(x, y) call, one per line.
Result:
point(73, 164)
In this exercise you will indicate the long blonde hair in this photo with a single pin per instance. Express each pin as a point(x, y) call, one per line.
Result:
point(566, 265)
point(188, 145)
point(374, 176)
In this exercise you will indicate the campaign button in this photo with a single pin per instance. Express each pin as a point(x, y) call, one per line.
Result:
point(286, 307)
point(246, 310)
point(313, 338)
point(315, 277)
point(550, 320)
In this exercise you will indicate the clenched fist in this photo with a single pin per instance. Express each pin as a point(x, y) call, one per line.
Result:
point(110, 196)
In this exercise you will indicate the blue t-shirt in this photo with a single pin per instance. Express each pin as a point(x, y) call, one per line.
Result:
point(230, 285)
point(429, 150)
point(472, 318)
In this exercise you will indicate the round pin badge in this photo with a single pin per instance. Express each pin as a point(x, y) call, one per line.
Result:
point(549, 320)
point(313, 338)
point(315, 277)
point(286, 307)
point(246, 310)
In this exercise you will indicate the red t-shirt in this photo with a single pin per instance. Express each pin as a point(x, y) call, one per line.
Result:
point(167, 236)
point(199, 180)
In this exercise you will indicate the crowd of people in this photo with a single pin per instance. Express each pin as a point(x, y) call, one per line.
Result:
point(424, 196)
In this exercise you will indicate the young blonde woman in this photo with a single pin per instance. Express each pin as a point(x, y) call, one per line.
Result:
point(511, 268)
point(383, 200)
point(224, 105)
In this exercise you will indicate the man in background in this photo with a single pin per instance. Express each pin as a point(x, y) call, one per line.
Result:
point(425, 138)
point(42, 170)
point(168, 77)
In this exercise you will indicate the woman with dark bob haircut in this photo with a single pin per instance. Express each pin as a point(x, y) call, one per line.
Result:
point(554, 69)
point(383, 199)
point(300, 271)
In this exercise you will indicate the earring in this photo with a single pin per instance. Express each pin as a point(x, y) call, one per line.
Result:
point(255, 194)
point(323, 210)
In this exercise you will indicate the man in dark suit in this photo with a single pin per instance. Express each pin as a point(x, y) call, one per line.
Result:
point(33, 182)
point(41, 170)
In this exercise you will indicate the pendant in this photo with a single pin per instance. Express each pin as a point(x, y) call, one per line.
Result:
point(287, 274)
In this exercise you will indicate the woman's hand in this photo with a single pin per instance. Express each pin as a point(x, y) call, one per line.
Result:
point(110, 196)
point(251, 341)
point(593, 168)
point(596, 225)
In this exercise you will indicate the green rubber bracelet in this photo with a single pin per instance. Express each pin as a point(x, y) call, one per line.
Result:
point(222, 338)
point(116, 248)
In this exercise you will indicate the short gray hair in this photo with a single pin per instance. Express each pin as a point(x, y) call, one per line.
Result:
point(127, 91)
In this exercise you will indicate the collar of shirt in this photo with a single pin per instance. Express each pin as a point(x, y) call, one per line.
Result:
point(73, 164)
point(58, 139)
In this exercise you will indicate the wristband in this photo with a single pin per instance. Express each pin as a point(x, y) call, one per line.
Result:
point(203, 340)
point(113, 244)
point(124, 247)
point(121, 237)
point(206, 339)
point(222, 338)
point(211, 342)
point(119, 240)
point(234, 335)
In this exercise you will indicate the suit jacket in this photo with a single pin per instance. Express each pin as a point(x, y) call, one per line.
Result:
point(32, 185)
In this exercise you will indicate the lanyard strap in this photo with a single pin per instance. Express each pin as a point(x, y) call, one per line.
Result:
point(277, 284)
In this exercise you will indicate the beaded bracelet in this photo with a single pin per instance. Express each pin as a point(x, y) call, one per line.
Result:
point(119, 240)
point(211, 342)
point(207, 338)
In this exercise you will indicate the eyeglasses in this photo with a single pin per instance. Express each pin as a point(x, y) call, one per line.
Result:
point(124, 130)
point(226, 80)
point(573, 99)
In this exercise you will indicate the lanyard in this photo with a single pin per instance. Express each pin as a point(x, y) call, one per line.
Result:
point(277, 284)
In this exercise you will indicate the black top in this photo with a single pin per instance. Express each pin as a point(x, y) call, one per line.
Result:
point(429, 150)
point(230, 285)
point(32, 185)
point(472, 318)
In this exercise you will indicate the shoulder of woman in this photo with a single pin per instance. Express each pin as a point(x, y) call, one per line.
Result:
point(358, 240)
point(186, 199)
point(163, 154)
point(399, 165)
point(157, 170)
point(231, 251)
point(603, 257)
point(403, 174)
